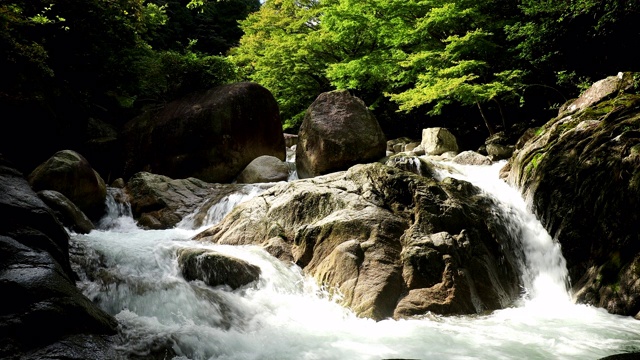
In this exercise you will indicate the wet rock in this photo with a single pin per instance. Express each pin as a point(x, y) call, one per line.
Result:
point(41, 307)
point(216, 269)
point(581, 173)
point(368, 231)
point(159, 202)
point(67, 212)
point(70, 174)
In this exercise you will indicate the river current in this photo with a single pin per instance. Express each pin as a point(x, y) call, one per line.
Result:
point(286, 315)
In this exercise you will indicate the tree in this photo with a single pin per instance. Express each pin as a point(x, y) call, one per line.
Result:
point(416, 52)
point(283, 50)
point(570, 44)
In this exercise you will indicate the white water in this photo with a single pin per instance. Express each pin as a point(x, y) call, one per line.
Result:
point(286, 316)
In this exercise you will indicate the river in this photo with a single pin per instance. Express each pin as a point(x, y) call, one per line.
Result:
point(285, 315)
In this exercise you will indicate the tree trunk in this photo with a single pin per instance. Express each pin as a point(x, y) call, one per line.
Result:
point(489, 126)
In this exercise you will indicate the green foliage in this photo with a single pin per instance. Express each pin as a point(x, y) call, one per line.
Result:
point(95, 50)
point(282, 50)
point(214, 24)
point(414, 52)
point(169, 74)
point(576, 42)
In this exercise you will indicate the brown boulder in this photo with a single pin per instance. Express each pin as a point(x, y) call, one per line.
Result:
point(376, 233)
point(338, 131)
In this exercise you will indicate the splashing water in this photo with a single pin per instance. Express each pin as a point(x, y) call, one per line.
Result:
point(285, 315)
point(545, 277)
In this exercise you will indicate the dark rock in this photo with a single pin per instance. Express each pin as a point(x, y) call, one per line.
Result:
point(41, 304)
point(211, 135)
point(70, 174)
point(216, 269)
point(67, 212)
point(582, 174)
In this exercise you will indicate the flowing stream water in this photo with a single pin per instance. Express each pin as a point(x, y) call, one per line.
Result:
point(133, 274)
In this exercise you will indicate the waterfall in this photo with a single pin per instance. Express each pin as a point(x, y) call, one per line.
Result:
point(544, 271)
point(216, 211)
point(118, 215)
point(134, 275)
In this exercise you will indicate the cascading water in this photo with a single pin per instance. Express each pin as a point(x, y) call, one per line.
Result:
point(134, 275)
point(544, 271)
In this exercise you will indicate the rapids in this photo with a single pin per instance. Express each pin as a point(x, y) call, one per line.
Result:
point(133, 274)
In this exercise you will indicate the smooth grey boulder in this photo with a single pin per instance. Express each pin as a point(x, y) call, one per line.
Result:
point(471, 158)
point(264, 169)
point(437, 141)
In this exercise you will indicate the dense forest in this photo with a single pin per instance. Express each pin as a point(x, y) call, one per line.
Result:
point(476, 66)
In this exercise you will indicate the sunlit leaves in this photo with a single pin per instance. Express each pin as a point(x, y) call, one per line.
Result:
point(415, 52)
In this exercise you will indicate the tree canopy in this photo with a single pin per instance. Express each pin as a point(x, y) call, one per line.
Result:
point(465, 64)
point(424, 56)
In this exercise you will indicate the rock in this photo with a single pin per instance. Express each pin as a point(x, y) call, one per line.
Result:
point(599, 91)
point(410, 163)
point(264, 169)
point(216, 269)
point(437, 141)
point(66, 212)
point(499, 152)
point(338, 131)
point(70, 174)
point(290, 140)
point(159, 202)
point(367, 231)
point(210, 135)
point(582, 175)
point(471, 158)
point(103, 149)
point(41, 307)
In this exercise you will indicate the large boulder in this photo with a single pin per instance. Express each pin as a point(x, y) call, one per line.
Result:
point(581, 173)
point(159, 202)
point(210, 135)
point(393, 243)
point(41, 306)
point(70, 174)
point(338, 131)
